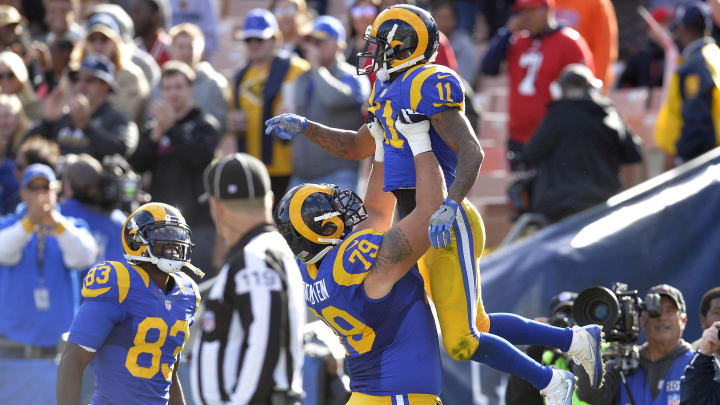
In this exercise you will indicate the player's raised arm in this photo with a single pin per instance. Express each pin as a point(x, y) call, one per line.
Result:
point(405, 242)
point(355, 145)
point(454, 128)
point(70, 373)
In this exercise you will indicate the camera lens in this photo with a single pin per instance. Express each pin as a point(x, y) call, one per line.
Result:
point(596, 305)
point(599, 311)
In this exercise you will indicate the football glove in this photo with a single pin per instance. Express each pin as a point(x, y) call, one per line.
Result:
point(378, 133)
point(441, 222)
point(286, 126)
point(416, 129)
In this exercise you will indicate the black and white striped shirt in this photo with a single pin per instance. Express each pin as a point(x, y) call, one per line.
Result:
point(251, 340)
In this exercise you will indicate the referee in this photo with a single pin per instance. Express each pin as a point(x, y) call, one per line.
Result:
point(250, 347)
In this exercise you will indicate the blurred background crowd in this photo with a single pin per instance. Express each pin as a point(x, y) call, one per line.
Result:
point(107, 105)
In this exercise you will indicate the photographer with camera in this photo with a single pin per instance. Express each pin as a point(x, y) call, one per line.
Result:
point(85, 195)
point(637, 375)
point(698, 387)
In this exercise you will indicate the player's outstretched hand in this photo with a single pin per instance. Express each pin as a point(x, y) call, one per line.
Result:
point(286, 126)
point(415, 127)
point(441, 222)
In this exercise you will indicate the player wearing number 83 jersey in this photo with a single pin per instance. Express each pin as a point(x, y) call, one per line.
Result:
point(132, 328)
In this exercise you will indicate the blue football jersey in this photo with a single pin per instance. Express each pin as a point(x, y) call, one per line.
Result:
point(136, 329)
point(391, 344)
point(428, 89)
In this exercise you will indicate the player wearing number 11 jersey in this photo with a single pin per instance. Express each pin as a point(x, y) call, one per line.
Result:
point(136, 316)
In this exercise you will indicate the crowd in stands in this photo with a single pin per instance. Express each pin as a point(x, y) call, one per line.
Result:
point(121, 103)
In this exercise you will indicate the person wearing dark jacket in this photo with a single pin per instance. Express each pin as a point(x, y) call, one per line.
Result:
point(578, 148)
point(91, 124)
point(698, 386)
point(176, 146)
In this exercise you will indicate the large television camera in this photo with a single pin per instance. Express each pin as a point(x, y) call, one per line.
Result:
point(619, 312)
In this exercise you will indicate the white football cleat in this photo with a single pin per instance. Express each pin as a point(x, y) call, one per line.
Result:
point(561, 388)
point(585, 351)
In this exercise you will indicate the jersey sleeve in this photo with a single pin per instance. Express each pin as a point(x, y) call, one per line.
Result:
point(355, 257)
point(436, 89)
point(105, 287)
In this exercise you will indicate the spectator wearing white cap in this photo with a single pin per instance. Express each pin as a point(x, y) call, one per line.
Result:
point(91, 125)
point(332, 94)
point(39, 248)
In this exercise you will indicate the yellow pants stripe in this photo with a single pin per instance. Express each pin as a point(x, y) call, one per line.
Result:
point(358, 398)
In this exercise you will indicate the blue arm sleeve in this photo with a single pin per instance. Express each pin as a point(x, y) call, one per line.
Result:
point(495, 54)
point(697, 385)
point(94, 321)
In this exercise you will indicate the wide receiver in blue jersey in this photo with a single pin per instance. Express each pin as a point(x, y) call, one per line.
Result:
point(365, 285)
point(401, 43)
point(135, 317)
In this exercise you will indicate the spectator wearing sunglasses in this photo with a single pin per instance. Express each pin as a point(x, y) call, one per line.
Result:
point(14, 79)
point(39, 249)
point(91, 124)
point(262, 89)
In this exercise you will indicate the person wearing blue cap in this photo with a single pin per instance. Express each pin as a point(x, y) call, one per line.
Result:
point(262, 89)
point(39, 248)
point(688, 124)
point(332, 94)
point(104, 36)
point(91, 124)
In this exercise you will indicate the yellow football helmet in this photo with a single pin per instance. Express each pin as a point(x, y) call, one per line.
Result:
point(399, 38)
point(157, 233)
point(313, 218)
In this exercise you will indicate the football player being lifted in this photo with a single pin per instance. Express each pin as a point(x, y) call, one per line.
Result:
point(136, 315)
point(400, 45)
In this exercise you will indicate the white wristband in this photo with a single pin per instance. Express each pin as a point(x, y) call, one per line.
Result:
point(419, 144)
point(378, 135)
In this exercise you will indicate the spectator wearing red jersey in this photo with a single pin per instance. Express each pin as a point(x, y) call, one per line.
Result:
point(150, 18)
point(536, 49)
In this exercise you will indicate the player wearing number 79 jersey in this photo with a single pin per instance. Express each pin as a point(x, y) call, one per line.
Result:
point(136, 316)
point(365, 284)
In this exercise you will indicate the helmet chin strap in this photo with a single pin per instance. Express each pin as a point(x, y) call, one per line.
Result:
point(166, 265)
point(320, 255)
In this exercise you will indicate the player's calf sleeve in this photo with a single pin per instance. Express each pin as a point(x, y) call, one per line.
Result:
point(499, 354)
point(522, 331)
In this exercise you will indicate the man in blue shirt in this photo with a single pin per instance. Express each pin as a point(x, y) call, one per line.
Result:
point(39, 248)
